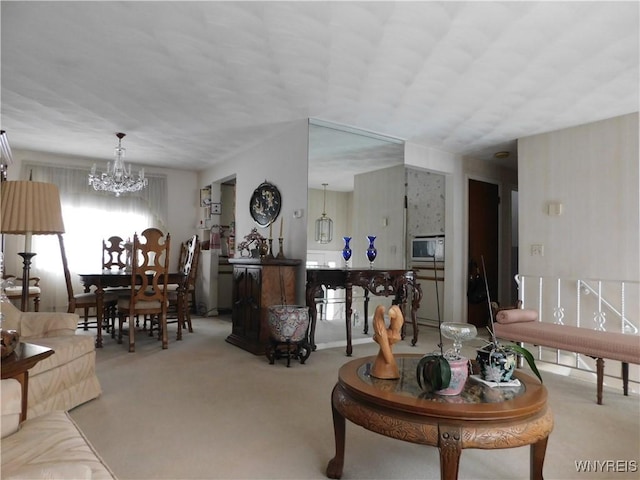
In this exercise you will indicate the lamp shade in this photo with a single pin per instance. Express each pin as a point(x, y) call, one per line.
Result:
point(31, 207)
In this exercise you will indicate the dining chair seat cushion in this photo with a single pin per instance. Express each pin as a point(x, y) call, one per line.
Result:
point(89, 298)
point(17, 290)
point(125, 303)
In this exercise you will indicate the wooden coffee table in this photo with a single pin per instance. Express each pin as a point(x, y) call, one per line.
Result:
point(17, 366)
point(480, 417)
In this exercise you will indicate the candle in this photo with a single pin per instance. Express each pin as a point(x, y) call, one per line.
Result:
point(27, 242)
point(281, 222)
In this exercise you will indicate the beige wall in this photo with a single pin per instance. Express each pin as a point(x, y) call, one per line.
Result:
point(282, 160)
point(378, 203)
point(593, 171)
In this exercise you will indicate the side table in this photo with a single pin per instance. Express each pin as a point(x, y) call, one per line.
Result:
point(17, 366)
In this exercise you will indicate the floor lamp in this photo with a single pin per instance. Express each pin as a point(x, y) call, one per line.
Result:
point(30, 208)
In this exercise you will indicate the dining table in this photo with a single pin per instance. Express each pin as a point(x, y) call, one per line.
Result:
point(121, 278)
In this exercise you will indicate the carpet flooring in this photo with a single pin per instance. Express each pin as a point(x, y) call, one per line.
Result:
point(205, 409)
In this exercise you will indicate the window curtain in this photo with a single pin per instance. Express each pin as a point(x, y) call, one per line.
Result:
point(89, 217)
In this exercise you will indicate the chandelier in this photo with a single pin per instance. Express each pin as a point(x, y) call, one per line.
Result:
point(117, 179)
point(324, 225)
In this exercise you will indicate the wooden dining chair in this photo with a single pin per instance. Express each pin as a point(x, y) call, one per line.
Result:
point(87, 300)
point(178, 294)
point(149, 275)
point(113, 253)
point(193, 276)
point(13, 290)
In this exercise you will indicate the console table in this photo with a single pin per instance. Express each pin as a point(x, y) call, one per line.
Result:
point(480, 417)
point(401, 284)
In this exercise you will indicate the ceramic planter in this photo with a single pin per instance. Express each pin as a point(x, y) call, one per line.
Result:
point(496, 365)
point(288, 323)
point(459, 375)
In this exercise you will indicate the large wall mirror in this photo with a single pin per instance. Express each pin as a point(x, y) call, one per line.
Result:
point(366, 180)
point(337, 155)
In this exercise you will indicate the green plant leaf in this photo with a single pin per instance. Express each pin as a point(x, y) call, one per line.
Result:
point(527, 355)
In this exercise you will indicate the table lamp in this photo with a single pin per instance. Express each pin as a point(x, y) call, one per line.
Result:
point(30, 208)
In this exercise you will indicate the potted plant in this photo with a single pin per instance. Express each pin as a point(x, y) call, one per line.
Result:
point(445, 373)
point(497, 361)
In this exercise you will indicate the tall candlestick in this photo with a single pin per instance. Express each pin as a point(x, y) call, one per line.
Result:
point(281, 222)
point(270, 227)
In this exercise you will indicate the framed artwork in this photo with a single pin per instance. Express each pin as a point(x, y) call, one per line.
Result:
point(265, 204)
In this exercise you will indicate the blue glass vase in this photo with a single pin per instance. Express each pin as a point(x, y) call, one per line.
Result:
point(372, 253)
point(346, 251)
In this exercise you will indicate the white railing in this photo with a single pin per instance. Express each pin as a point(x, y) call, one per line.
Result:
point(588, 303)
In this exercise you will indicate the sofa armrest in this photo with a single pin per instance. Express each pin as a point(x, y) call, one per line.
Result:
point(11, 406)
point(47, 324)
point(38, 324)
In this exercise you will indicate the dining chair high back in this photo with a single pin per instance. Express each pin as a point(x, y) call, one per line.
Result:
point(178, 296)
point(86, 300)
point(149, 275)
point(113, 253)
point(193, 276)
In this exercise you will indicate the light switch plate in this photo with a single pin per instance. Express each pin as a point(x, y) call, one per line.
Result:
point(537, 250)
point(554, 209)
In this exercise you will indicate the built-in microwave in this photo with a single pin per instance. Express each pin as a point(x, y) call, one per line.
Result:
point(427, 248)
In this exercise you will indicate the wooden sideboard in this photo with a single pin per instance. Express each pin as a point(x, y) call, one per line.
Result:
point(257, 285)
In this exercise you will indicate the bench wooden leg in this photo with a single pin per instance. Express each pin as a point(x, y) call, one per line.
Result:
point(625, 378)
point(600, 375)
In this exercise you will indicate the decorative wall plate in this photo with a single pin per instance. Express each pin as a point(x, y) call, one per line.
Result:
point(265, 204)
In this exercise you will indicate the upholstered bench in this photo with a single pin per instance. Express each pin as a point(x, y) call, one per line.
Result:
point(519, 325)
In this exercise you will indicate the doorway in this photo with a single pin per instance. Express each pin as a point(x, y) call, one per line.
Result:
point(483, 238)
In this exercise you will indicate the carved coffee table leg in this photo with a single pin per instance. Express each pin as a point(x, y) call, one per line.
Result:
point(538, 451)
point(334, 468)
point(450, 446)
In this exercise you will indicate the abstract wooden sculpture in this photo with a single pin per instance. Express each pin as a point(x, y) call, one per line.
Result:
point(384, 366)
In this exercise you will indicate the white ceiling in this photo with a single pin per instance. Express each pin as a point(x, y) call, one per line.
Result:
point(193, 82)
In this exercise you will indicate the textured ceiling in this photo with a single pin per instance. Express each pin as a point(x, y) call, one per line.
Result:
point(193, 82)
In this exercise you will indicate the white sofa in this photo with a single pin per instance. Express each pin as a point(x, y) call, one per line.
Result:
point(50, 446)
point(67, 378)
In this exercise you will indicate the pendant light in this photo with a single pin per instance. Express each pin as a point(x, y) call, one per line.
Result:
point(324, 225)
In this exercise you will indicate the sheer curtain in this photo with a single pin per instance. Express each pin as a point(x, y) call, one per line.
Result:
point(89, 217)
